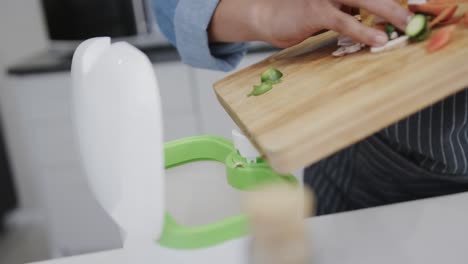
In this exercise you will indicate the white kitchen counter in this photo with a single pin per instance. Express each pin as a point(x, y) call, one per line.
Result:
point(431, 231)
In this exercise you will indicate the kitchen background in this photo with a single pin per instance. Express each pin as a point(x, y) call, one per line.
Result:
point(54, 214)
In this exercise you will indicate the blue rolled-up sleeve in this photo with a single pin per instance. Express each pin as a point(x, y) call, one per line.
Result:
point(185, 23)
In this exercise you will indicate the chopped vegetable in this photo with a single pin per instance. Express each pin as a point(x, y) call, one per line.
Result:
point(453, 20)
point(272, 82)
point(392, 45)
point(261, 89)
point(416, 26)
point(341, 51)
point(271, 75)
point(432, 13)
point(367, 17)
point(429, 8)
point(444, 15)
point(269, 78)
point(424, 35)
point(440, 39)
point(345, 41)
point(452, 12)
point(389, 29)
point(447, 2)
point(344, 50)
point(380, 26)
point(465, 19)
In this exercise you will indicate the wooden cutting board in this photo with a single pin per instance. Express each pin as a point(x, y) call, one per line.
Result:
point(325, 104)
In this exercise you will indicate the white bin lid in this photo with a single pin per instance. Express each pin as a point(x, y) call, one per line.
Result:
point(117, 113)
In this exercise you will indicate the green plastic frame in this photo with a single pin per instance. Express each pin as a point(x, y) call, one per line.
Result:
point(240, 175)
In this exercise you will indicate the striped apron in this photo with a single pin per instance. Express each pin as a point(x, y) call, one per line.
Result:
point(424, 155)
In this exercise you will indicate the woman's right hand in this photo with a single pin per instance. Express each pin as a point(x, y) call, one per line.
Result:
point(284, 23)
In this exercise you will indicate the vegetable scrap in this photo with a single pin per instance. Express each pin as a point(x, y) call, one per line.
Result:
point(433, 14)
point(348, 49)
point(440, 39)
point(390, 30)
point(452, 21)
point(416, 26)
point(446, 14)
point(428, 8)
point(269, 78)
point(261, 89)
point(392, 44)
point(271, 75)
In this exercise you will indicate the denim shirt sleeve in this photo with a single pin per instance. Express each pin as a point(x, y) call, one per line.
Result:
point(185, 24)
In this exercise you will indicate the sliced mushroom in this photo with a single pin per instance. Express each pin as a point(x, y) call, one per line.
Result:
point(339, 52)
point(354, 48)
point(392, 45)
point(345, 41)
point(348, 49)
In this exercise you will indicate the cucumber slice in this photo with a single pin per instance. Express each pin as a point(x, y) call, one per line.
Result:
point(423, 36)
point(272, 75)
point(273, 82)
point(261, 89)
point(416, 26)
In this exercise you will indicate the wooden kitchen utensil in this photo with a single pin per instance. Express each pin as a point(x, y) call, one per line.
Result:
point(325, 104)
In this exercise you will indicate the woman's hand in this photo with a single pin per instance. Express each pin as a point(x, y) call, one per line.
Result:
point(284, 23)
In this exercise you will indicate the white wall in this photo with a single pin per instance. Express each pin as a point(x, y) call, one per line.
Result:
point(22, 30)
point(22, 33)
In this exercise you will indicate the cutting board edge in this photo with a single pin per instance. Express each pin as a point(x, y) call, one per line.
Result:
point(268, 155)
point(281, 161)
point(236, 120)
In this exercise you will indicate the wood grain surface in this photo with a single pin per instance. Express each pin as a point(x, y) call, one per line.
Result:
point(325, 104)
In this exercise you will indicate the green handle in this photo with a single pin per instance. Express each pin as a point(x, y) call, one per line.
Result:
point(245, 177)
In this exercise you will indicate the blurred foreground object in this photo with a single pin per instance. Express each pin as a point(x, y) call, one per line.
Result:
point(277, 215)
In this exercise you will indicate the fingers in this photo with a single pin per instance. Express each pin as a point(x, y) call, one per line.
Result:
point(388, 9)
point(349, 26)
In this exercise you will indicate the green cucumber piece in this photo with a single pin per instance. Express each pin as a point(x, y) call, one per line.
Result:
point(272, 82)
point(261, 89)
point(272, 75)
point(417, 25)
point(423, 36)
